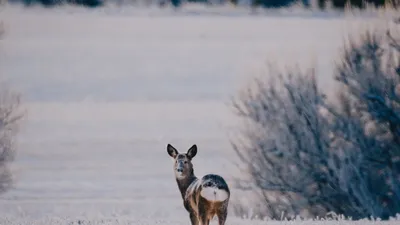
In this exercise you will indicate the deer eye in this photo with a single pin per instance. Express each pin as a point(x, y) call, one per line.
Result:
point(185, 162)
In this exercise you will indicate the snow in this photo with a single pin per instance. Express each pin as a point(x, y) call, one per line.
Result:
point(106, 90)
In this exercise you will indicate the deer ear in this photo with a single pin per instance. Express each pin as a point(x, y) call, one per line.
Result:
point(172, 151)
point(192, 152)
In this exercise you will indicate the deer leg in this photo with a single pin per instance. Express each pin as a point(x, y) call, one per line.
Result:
point(222, 214)
point(204, 221)
point(203, 218)
point(203, 213)
point(193, 219)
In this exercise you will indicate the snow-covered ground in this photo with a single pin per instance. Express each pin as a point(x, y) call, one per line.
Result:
point(106, 90)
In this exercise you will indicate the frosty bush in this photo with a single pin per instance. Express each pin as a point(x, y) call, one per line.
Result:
point(10, 115)
point(307, 156)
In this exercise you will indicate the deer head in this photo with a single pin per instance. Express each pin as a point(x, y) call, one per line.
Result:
point(183, 166)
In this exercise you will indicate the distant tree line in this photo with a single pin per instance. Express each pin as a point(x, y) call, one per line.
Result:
point(50, 3)
point(339, 4)
point(359, 3)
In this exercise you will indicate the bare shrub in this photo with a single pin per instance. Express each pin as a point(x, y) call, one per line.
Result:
point(286, 143)
point(10, 116)
point(369, 126)
point(309, 157)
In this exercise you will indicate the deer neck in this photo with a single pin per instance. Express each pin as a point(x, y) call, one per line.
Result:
point(184, 183)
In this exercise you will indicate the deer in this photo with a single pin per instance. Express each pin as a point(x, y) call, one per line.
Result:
point(203, 198)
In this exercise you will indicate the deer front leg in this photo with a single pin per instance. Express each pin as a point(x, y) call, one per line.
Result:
point(193, 219)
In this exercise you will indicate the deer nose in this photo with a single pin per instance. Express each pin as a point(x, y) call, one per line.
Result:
point(180, 170)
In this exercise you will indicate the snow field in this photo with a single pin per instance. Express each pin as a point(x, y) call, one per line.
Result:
point(106, 91)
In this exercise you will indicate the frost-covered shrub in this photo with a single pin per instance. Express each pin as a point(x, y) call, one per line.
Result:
point(286, 143)
point(307, 156)
point(10, 116)
point(368, 130)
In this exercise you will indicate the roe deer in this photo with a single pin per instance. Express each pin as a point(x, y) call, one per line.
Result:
point(202, 198)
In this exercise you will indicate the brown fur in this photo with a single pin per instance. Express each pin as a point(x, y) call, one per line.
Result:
point(201, 210)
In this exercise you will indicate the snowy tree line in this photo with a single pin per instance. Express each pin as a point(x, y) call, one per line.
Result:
point(308, 155)
point(337, 4)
